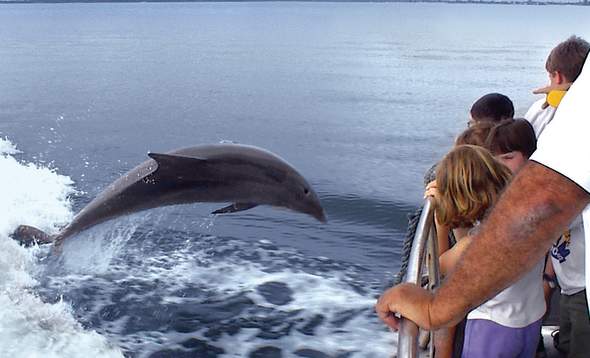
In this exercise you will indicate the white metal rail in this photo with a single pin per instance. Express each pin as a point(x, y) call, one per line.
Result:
point(423, 259)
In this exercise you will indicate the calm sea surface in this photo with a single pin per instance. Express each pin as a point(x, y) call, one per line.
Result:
point(361, 97)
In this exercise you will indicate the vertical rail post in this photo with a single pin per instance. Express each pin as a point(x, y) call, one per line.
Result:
point(408, 333)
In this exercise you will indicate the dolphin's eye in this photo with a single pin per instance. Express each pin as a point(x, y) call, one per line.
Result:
point(305, 191)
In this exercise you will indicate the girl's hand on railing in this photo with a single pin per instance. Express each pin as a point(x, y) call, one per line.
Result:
point(431, 190)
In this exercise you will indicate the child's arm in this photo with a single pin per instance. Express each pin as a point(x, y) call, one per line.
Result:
point(444, 342)
point(442, 236)
point(449, 259)
point(444, 339)
point(560, 87)
point(442, 231)
point(549, 281)
point(554, 93)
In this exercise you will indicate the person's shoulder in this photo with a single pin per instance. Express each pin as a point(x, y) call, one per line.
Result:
point(535, 109)
point(539, 117)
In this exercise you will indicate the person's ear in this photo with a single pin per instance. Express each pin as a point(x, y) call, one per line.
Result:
point(559, 78)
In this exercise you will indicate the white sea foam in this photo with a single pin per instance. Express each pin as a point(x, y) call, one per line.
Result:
point(7, 147)
point(37, 196)
point(94, 249)
point(31, 194)
point(314, 295)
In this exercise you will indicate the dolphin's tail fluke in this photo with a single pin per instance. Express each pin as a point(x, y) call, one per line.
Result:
point(28, 236)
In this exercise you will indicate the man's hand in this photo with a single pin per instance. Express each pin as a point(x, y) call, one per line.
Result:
point(410, 301)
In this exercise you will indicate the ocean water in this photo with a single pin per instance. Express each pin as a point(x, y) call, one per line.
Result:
point(361, 97)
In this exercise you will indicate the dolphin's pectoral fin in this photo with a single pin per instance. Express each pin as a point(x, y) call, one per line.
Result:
point(171, 163)
point(28, 236)
point(235, 207)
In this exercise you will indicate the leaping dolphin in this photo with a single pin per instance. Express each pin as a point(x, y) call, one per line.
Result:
point(244, 175)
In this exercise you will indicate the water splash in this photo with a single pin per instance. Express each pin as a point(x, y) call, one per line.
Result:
point(37, 196)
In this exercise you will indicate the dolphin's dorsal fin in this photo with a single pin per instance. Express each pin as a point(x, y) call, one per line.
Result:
point(235, 207)
point(175, 165)
point(161, 157)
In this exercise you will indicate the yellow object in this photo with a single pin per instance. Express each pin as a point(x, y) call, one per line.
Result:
point(555, 97)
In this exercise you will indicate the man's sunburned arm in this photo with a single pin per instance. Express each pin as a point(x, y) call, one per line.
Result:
point(533, 211)
point(535, 208)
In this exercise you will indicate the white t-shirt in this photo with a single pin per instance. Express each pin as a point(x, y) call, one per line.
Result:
point(567, 253)
point(567, 256)
point(539, 117)
point(565, 143)
point(518, 305)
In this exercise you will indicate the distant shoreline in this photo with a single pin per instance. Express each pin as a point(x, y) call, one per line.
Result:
point(487, 2)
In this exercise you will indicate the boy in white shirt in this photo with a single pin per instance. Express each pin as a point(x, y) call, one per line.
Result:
point(564, 65)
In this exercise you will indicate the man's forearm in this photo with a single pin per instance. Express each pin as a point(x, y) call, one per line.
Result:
point(533, 211)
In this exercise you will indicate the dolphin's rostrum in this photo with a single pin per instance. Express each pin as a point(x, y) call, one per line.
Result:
point(246, 176)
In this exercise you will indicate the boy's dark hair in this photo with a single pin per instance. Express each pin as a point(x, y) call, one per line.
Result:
point(512, 135)
point(492, 107)
point(568, 58)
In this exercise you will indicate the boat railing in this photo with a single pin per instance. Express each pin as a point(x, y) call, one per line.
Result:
point(423, 261)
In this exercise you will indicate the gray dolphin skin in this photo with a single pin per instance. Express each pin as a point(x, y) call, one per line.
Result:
point(244, 175)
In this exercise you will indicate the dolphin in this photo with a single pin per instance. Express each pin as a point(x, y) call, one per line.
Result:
point(243, 175)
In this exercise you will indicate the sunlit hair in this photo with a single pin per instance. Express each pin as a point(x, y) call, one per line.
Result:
point(469, 181)
point(568, 58)
point(512, 135)
point(476, 134)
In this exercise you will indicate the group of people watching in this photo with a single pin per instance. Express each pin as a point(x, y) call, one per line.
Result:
point(468, 181)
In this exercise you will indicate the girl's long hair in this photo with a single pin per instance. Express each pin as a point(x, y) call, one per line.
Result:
point(469, 181)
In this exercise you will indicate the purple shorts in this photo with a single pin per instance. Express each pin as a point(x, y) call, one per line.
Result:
point(487, 339)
